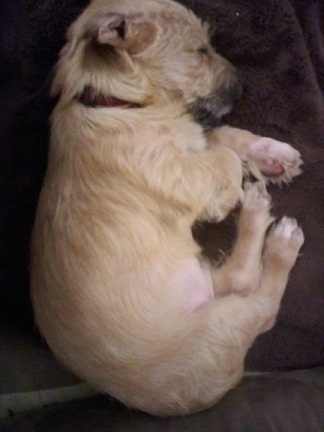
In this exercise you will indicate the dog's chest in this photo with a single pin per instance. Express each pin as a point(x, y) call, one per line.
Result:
point(190, 137)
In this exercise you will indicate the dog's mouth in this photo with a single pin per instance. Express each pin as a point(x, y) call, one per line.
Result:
point(209, 111)
point(94, 99)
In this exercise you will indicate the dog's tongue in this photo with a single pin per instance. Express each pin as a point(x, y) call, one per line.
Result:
point(109, 101)
point(92, 99)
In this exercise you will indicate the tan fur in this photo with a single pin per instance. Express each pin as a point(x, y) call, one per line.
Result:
point(119, 287)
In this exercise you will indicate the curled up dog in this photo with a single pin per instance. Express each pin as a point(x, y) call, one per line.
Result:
point(120, 289)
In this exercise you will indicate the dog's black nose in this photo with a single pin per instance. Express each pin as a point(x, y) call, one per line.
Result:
point(234, 92)
point(240, 79)
point(239, 85)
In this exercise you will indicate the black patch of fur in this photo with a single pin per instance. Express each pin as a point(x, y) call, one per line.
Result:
point(205, 112)
point(208, 111)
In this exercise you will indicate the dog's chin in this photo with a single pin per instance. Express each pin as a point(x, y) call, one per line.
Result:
point(209, 112)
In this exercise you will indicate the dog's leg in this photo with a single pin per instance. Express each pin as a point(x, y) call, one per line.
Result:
point(280, 253)
point(193, 179)
point(229, 325)
point(275, 160)
point(242, 270)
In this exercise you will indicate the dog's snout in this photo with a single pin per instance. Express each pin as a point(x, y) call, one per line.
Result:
point(209, 110)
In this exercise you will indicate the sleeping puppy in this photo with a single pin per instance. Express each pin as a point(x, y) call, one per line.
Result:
point(120, 289)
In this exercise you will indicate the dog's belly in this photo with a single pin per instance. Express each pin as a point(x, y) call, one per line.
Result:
point(194, 281)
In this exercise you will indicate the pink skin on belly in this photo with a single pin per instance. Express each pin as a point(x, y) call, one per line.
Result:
point(193, 278)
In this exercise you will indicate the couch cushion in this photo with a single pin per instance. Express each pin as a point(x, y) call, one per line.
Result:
point(288, 402)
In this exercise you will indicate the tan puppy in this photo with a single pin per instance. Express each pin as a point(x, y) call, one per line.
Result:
point(120, 289)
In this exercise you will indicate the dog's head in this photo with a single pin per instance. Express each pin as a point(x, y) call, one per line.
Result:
point(147, 52)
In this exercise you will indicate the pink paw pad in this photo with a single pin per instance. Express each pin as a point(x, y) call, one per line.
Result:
point(277, 160)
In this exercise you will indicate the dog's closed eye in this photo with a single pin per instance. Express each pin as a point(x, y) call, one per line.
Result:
point(203, 50)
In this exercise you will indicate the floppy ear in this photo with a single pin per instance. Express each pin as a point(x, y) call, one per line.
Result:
point(131, 33)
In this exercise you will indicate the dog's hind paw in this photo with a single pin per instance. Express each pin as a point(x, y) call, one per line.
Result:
point(256, 197)
point(277, 161)
point(285, 240)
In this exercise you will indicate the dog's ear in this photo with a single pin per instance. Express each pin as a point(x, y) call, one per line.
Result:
point(132, 33)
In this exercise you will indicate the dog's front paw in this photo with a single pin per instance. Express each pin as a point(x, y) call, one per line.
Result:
point(277, 161)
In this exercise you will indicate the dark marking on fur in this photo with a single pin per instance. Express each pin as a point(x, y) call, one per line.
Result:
point(208, 111)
